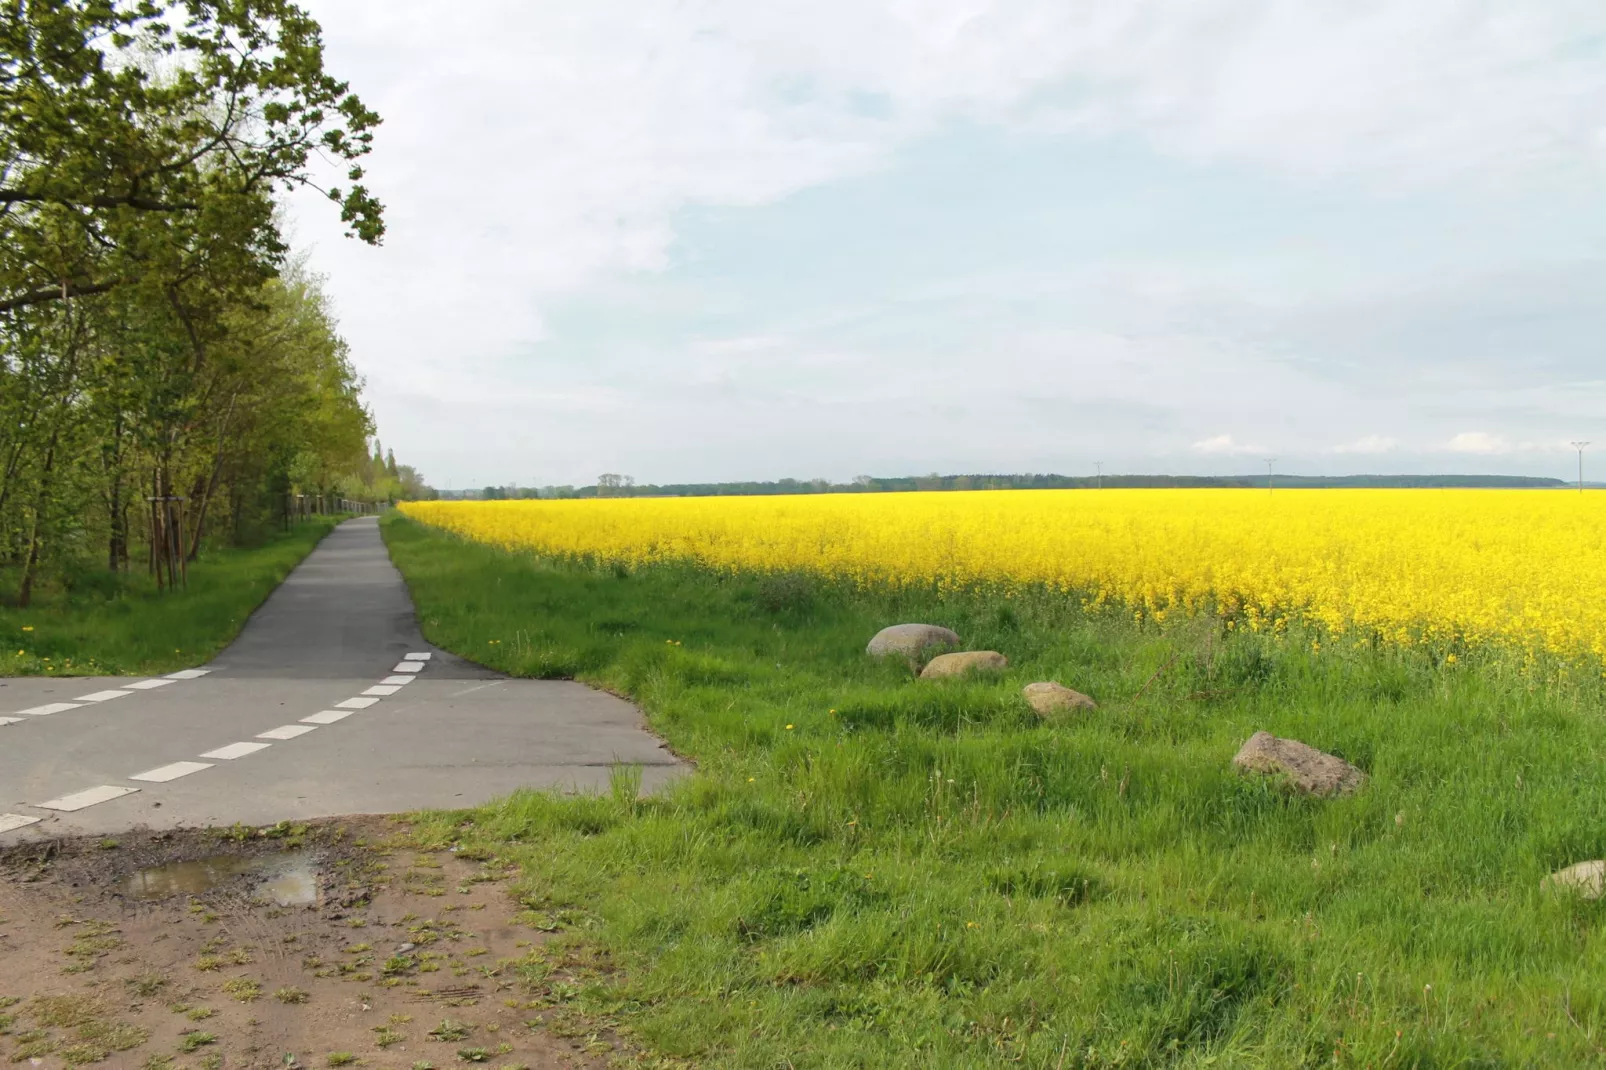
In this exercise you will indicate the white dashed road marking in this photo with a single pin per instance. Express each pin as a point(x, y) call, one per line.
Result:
point(162, 774)
point(287, 731)
point(236, 750)
point(327, 717)
point(88, 797)
point(406, 670)
point(54, 707)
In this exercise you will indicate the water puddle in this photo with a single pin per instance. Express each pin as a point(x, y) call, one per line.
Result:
point(287, 880)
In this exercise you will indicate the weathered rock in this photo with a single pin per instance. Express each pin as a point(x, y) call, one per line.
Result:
point(1048, 698)
point(1587, 880)
point(963, 662)
point(912, 641)
point(1308, 770)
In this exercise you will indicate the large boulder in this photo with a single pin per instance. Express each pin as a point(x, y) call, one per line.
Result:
point(1586, 880)
point(968, 661)
point(1049, 698)
point(913, 641)
point(1306, 769)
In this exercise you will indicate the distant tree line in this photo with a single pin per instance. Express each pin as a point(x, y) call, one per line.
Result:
point(615, 486)
point(160, 352)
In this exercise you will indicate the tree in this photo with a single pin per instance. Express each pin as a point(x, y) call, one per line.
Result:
point(134, 131)
point(155, 340)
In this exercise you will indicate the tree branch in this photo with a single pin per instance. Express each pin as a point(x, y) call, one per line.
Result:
point(144, 204)
point(54, 293)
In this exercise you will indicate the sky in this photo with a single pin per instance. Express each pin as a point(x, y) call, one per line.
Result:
point(717, 239)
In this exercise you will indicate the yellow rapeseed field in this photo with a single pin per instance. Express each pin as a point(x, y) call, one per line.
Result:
point(1472, 567)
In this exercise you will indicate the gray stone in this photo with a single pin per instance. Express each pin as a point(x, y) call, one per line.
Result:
point(912, 641)
point(1306, 769)
point(959, 664)
point(1587, 880)
point(1048, 698)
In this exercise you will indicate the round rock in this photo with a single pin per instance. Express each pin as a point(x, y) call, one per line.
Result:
point(1307, 770)
point(913, 641)
point(1048, 698)
point(1586, 880)
point(967, 661)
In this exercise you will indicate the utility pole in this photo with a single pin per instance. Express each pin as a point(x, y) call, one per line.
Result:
point(1100, 466)
point(1579, 446)
point(1269, 462)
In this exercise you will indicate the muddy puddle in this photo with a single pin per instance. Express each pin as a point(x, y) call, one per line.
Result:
point(176, 951)
point(287, 880)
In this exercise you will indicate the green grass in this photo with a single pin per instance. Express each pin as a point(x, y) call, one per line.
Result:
point(110, 625)
point(925, 874)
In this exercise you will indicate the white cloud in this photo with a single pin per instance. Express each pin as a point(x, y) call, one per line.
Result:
point(1224, 446)
point(1371, 444)
point(1478, 442)
point(531, 150)
point(528, 148)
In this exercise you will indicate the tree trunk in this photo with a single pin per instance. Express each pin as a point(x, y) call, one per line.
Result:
point(211, 486)
point(30, 562)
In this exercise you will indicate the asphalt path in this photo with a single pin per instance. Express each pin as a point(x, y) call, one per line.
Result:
point(330, 702)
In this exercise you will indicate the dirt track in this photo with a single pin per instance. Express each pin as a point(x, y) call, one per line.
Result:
point(405, 958)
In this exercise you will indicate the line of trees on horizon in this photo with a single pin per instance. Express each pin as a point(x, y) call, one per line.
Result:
point(616, 486)
point(169, 373)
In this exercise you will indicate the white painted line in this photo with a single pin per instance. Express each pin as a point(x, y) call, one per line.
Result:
point(78, 800)
point(236, 750)
point(409, 666)
point(287, 731)
point(399, 681)
point(326, 717)
point(355, 703)
point(12, 822)
point(146, 685)
point(417, 657)
point(162, 774)
point(383, 689)
point(54, 707)
point(102, 696)
point(11, 720)
point(188, 674)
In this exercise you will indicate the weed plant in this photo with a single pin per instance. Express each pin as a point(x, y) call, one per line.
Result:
point(868, 870)
point(101, 623)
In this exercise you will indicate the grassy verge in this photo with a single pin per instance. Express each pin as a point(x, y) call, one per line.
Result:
point(112, 625)
point(873, 871)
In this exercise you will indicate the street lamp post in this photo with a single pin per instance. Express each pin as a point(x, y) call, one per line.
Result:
point(1579, 446)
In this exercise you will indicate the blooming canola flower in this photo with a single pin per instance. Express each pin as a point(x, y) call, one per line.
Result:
point(1469, 567)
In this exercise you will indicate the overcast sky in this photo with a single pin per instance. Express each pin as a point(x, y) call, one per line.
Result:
point(733, 239)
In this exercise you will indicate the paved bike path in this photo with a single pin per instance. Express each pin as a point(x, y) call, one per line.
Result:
point(329, 702)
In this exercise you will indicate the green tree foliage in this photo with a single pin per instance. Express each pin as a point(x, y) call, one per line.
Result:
point(155, 339)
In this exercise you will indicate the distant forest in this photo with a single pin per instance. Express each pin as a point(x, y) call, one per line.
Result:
point(616, 486)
